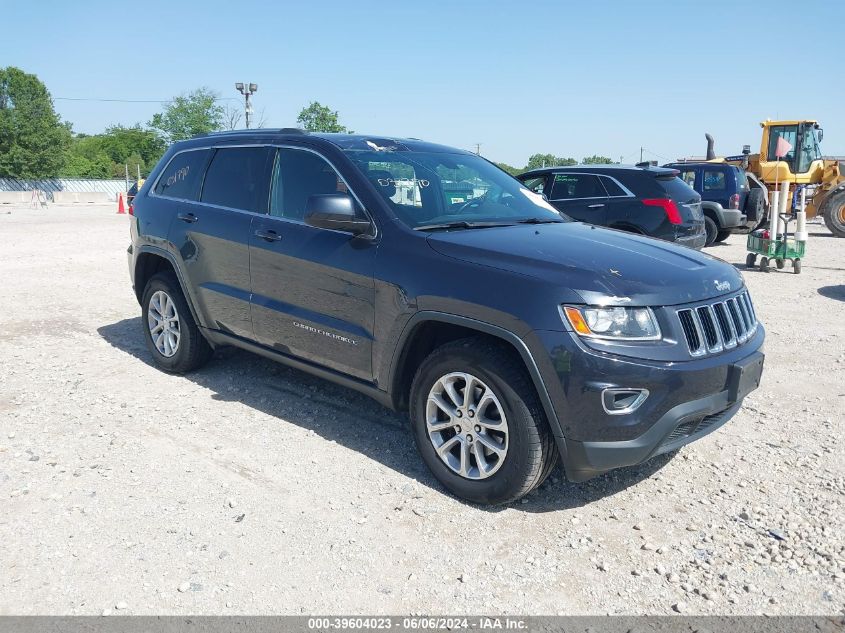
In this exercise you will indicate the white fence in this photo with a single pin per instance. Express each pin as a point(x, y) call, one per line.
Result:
point(111, 187)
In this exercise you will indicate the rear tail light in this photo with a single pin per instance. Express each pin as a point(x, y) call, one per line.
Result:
point(668, 206)
point(734, 204)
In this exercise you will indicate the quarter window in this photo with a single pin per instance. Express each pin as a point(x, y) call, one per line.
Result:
point(612, 187)
point(180, 179)
point(297, 176)
point(573, 186)
point(714, 180)
point(235, 179)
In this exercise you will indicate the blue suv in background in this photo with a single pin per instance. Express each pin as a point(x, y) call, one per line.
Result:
point(728, 202)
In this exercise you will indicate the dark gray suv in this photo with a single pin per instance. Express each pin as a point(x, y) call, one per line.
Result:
point(434, 282)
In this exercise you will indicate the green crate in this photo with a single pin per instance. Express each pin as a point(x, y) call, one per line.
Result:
point(776, 249)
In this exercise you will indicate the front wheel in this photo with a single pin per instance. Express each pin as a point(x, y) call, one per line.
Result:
point(172, 336)
point(833, 211)
point(722, 235)
point(478, 422)
point(750, 259)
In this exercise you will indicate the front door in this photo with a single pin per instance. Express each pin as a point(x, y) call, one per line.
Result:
point(313, 293)
point(580, 196)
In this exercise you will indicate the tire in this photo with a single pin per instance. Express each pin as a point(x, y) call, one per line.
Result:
point(755, 205)
point(711, 229)
point(190, 350)
point(764, 264)
point(796, 266)
point(750, 259)
point(833, 211)
point(780, 264)
point(530, 452)
point(722, 235)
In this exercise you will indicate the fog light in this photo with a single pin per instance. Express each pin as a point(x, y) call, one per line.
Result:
point(619, 401)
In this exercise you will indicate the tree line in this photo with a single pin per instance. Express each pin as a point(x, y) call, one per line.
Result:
point(537, 161)
point(36, 143)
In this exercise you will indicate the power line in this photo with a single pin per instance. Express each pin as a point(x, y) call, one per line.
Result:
point(131, 100)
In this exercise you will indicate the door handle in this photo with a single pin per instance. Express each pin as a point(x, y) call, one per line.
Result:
point(268, 235)
point(187, 217)
point(595, 206)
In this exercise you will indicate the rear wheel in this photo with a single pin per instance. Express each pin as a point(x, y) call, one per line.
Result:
point(755, 206)
point(764, 264)
point(478, 422)
point(722, 235)
point(711, 229)
point(834, 213)
point(796, 266)
point(750, 259)
point(779, 263)
point(172, 336)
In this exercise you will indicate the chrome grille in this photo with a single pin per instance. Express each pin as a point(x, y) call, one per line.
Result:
point(712, 328)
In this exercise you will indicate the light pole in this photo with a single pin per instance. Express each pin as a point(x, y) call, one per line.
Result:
point(247, 90)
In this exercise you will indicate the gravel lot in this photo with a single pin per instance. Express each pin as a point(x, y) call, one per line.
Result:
point(251, 488)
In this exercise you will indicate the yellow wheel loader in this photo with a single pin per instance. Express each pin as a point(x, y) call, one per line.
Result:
point(803, 166)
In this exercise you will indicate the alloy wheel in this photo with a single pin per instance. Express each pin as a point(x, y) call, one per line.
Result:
point(163, 321)
point(466, 424)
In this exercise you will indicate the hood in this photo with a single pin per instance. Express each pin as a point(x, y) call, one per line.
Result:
point(604, 266)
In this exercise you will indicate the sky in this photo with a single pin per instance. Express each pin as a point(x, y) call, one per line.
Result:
point(566, 78)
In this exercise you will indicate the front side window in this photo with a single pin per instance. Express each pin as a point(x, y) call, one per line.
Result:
point(235, 179)
point(181, 178)
point(426, 188)
point(298, 175)
point(536, 184)
point(576, 186)
point(714, 180)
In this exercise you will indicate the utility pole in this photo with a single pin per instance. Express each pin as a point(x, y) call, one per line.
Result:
point(641, 154)
point(247, 90)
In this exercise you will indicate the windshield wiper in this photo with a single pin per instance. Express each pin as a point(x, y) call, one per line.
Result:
point(538, 221)
point(461, 224)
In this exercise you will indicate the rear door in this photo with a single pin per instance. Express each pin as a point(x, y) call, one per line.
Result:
point(210, 236)
point(580, 196)
point(313, 294)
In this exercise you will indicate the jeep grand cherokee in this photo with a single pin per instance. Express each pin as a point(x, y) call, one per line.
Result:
point(434, 282)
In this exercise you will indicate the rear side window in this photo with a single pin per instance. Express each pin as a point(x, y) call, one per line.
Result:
point(614, 190)
point(677, 189)
point(181, 178)
point(236, 179)
point(741, 179)
point(714, 180)
point(688, 176)
point(574, 186)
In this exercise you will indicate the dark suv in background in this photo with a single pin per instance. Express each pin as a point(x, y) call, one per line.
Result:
point(727, 201)
point(650, 201)
point(432, 281)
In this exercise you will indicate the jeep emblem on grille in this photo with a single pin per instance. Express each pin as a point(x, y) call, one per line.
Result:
point(722, 286)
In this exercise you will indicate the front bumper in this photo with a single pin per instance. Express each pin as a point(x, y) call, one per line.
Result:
point(686, 401)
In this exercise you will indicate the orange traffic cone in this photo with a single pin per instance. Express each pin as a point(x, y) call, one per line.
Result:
point(120, 208)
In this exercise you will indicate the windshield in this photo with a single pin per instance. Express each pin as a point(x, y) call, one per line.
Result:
point(433, 188)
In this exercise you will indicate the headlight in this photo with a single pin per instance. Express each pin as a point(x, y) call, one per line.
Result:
point(627, 324)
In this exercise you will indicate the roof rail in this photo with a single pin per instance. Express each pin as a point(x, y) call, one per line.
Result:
point(280, 130)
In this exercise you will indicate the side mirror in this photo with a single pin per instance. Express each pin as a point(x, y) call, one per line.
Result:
point(821, 135)
point(335, 211)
